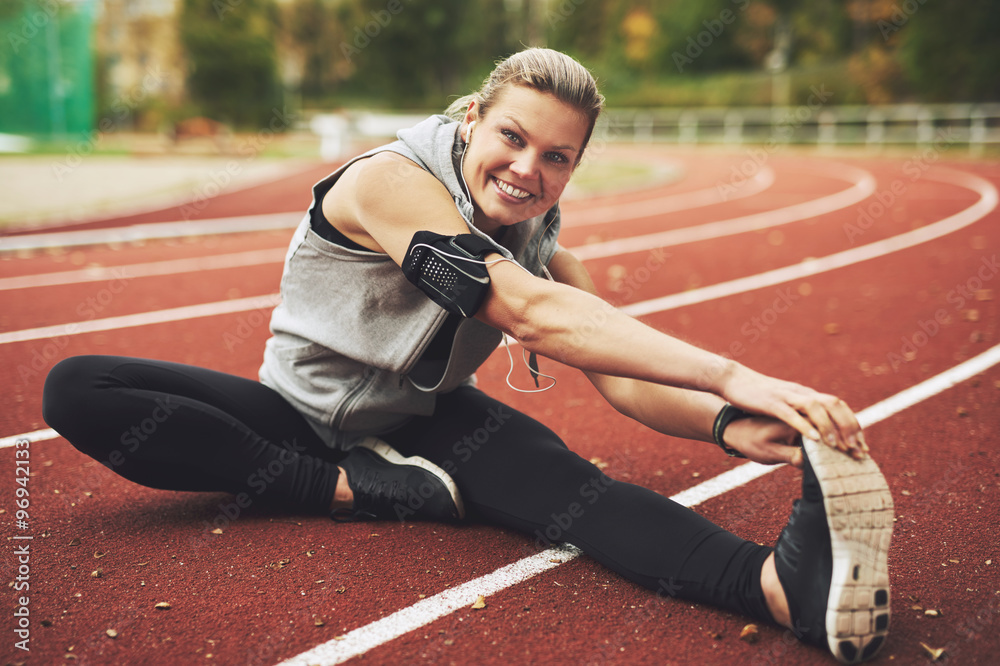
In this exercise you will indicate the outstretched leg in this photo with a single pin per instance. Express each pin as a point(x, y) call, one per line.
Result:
point(513, 471)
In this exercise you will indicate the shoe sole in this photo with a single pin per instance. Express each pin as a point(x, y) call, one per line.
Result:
point(859, 513)
point(383, 450)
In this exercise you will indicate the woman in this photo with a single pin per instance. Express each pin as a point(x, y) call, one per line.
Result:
point(398, 283)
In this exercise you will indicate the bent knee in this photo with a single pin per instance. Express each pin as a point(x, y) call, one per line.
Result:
point(68, 391)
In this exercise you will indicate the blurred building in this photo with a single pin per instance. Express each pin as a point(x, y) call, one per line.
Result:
point(139, 52)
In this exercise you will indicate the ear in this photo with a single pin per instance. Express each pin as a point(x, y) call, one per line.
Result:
point(471, 116)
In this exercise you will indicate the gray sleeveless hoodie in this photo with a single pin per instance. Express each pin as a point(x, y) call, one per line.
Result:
point(348, 336)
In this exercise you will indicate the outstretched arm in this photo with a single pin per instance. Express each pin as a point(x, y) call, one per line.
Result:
point(688, 413)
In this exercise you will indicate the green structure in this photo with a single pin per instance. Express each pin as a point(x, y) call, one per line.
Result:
point(47, 67)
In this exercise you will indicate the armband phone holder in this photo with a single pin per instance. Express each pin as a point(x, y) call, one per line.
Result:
point(449, 269)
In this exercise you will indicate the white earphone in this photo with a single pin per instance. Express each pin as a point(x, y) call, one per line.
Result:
point(468, 133)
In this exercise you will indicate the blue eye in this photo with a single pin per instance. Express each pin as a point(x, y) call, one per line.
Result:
point(558, 158)
point(512, 137)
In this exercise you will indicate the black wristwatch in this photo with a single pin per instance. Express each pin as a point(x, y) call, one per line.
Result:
point(727, 415)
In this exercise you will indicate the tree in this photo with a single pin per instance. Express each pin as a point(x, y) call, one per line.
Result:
point(232, 66)
point(949, 54)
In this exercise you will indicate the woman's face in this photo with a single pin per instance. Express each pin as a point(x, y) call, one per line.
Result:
point(520, 155)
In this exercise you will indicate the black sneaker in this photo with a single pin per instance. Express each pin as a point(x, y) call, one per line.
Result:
point(832, 556)
point(387, 485)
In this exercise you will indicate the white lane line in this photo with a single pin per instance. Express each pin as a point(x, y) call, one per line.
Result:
point(140, 232)
point(986, 204)
point(35, 436)
point(670, 203)
point(143, 318)
point(370, 636)
point(617, 213)
point(149, 269)
point(862, 186)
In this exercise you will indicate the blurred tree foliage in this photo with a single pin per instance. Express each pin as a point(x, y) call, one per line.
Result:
point(949, 51)
point(417, 53)
point(232, 60)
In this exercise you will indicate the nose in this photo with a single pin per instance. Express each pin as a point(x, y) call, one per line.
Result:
point(526, 165)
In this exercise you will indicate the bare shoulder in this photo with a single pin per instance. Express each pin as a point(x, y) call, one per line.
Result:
point(382, 200)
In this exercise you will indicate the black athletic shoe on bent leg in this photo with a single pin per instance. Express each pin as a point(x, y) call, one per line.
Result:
point(832, 557)
point(387, 485)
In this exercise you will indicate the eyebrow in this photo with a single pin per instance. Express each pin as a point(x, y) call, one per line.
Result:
point(528, 135)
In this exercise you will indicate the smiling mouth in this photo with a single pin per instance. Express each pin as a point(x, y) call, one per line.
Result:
point(510, 190)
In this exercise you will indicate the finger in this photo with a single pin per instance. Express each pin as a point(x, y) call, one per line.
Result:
point(818, 414)
point(847, 422)
point(792, 417)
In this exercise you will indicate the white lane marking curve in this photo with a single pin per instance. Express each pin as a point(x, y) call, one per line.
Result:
point(862, 187)
point(986, 204)
point(669, 203)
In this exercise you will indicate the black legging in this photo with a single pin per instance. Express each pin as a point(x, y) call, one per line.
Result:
point(179, 427)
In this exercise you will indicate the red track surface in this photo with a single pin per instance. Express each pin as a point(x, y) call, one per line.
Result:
point(273, 585)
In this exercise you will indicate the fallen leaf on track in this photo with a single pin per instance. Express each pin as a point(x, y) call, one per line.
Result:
point(750, 634)
point(935, 653)
point(598, 463)
point(112, 633)
point(480, 603)
point(163, 605)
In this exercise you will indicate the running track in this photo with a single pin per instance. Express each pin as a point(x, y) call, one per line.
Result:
point(873, 279)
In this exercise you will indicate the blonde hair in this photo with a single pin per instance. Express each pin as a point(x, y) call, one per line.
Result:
point(546, 71)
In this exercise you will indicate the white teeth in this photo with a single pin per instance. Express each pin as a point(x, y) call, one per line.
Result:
point(511, 190)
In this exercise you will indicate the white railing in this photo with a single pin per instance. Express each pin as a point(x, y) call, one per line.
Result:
point(941, 125)
point(972, 125)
